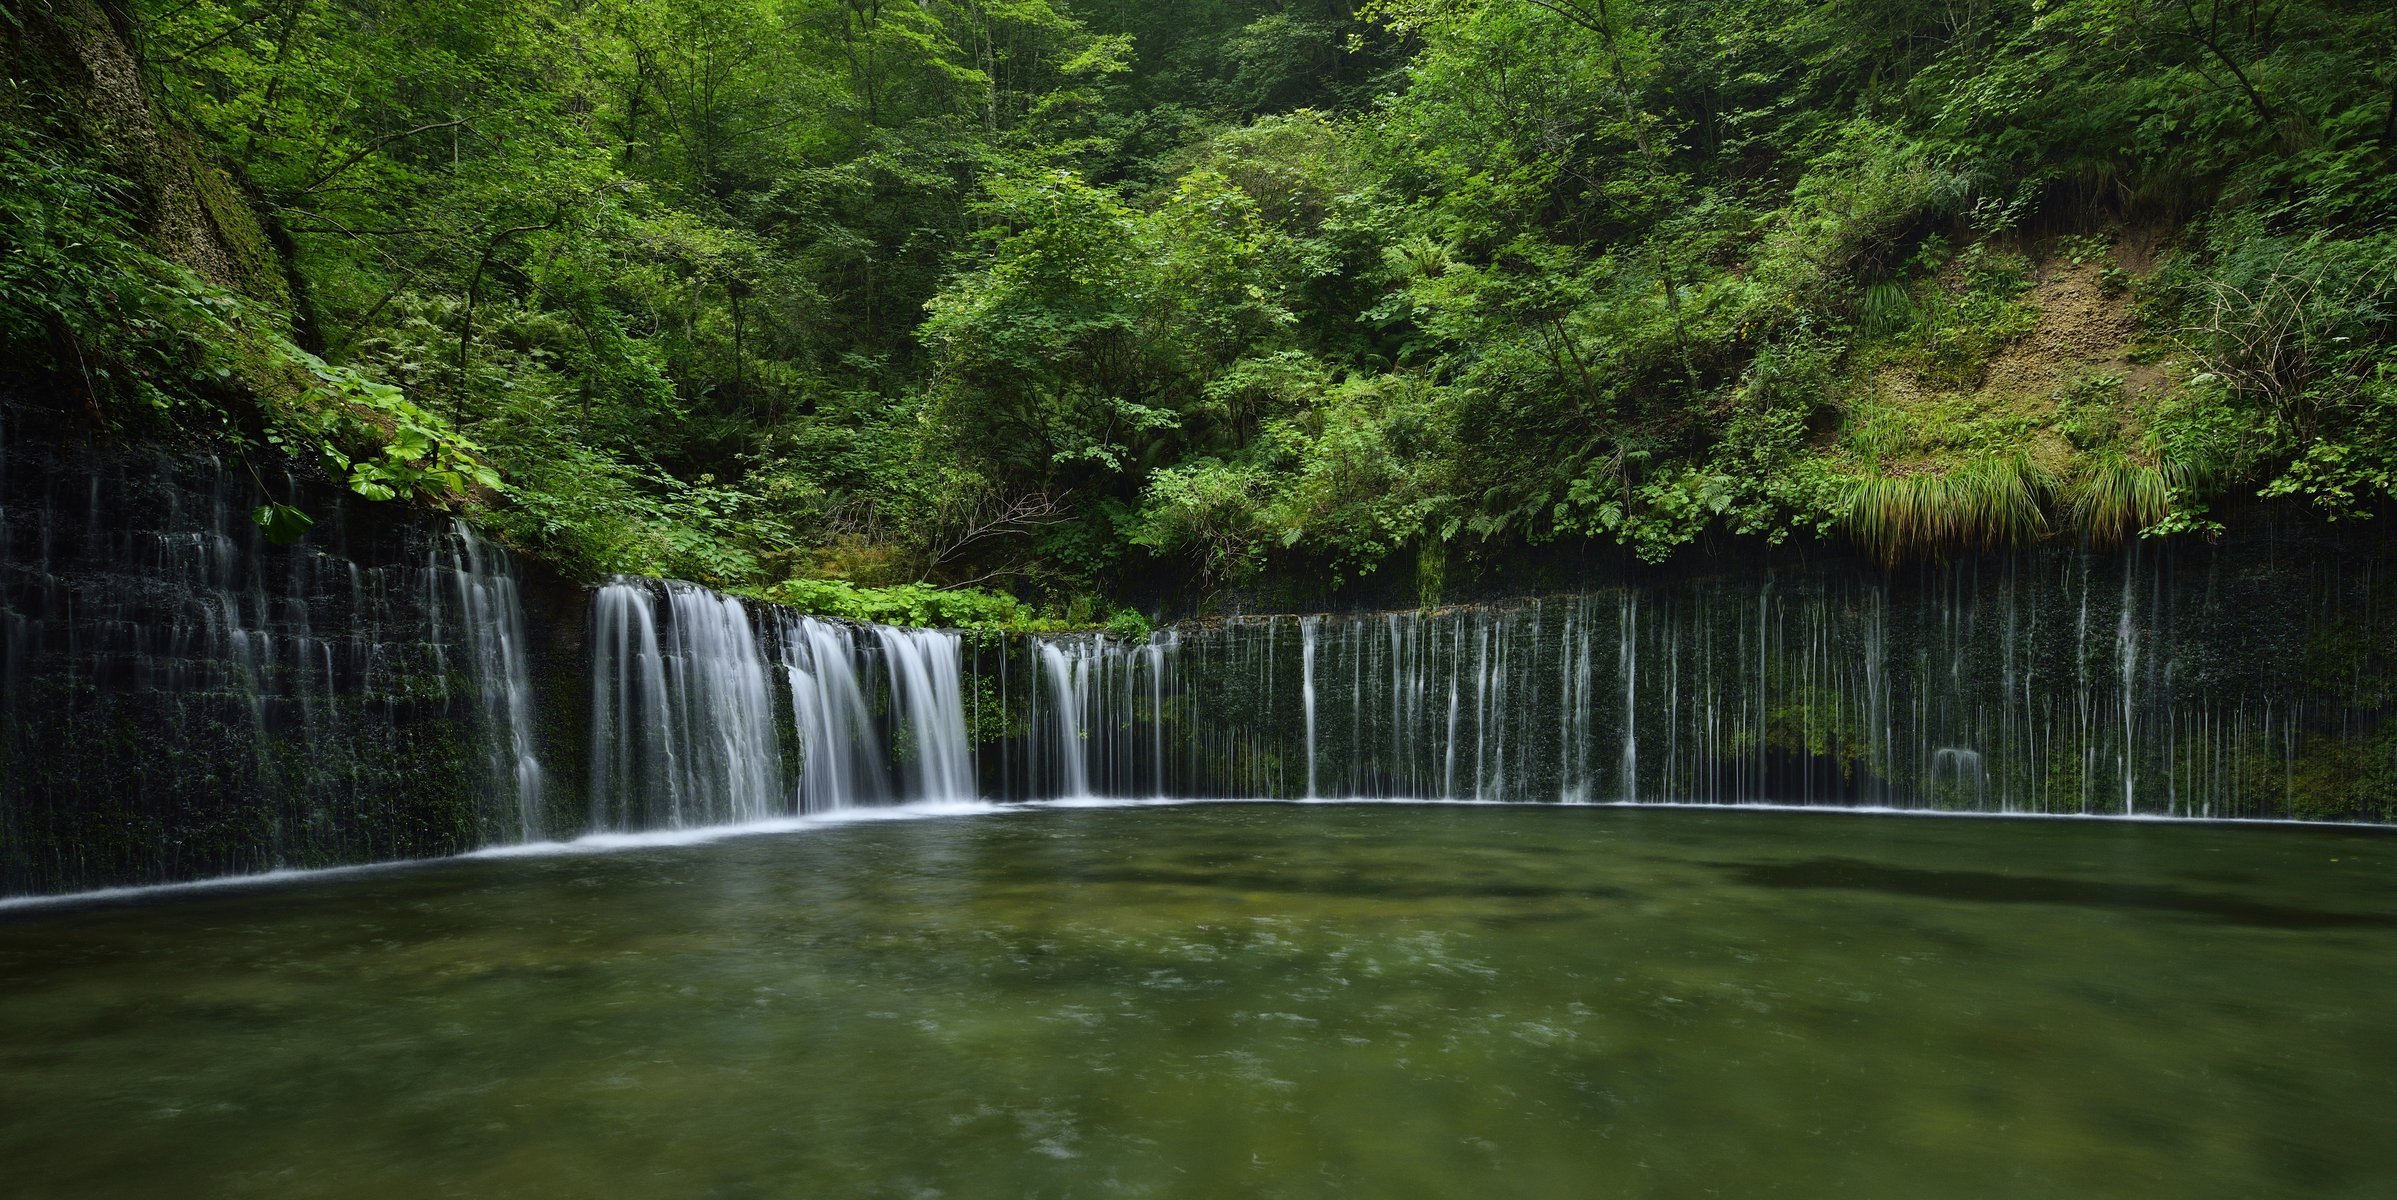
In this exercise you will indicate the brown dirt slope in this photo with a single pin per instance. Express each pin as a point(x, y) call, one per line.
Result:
point(2082, 331)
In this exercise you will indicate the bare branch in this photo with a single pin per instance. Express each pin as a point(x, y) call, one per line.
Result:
point(992, 515)
point(370, 147)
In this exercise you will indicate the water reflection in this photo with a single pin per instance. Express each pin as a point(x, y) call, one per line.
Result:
point(1238, 1001)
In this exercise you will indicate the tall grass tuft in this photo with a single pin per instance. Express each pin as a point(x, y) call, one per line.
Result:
point(2114, 498)
point(1886, 307)
point(1984, 503)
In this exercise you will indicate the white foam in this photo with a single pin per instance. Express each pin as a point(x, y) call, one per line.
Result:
point(594, 843)
point(608, 843)
point(602, 843)
point(259, 878)
point(1853, 810)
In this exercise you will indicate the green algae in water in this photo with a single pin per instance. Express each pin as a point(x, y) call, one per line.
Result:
point(1240, 1000)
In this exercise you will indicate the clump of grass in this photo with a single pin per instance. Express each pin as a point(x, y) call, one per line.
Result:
point(2112, 498)
point(1886, 308)
point(1878, 433)
point(1998, 500)
point(2198, 472)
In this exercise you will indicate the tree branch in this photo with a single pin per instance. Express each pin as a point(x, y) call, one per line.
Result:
point(999, 516)
point(227, 32)
point(2213, 47)
point(370, 148)
point(474, 285)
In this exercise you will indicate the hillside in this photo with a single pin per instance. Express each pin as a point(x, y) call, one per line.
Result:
point(964, 313)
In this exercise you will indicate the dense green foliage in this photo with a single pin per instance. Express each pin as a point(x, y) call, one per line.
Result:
point(828, 296)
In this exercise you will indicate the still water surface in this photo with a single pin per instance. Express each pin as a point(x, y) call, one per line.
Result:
point(1240, 1000)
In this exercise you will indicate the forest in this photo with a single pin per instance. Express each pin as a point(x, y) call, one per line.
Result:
point(1031, 313)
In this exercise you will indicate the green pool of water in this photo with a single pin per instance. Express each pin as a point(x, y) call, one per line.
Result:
point(1240, 1000)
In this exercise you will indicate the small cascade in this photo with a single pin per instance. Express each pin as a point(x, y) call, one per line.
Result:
point(842, 761)
point(1629, 658)
point(706, 710)
point(492, 621)
point(683, 726)
point(928, 708)
point(1112, 717)
point(1307, 629)
point(1068, 665)
point(1162, 652)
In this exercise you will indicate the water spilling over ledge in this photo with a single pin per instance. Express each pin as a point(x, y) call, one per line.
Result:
point(181, 698)
point(2062, 681)
point(705, 712)
point(184, 699)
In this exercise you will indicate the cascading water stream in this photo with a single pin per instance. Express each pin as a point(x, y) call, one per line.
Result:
point(185, 698)
point(842, 761)
point(928, 705)
point(1067, 667)
point(692, 693)
point(683, 728)
point(1307, 628)
point(1947, 689)
point(493, 612)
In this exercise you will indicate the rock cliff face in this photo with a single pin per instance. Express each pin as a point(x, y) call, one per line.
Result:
point(183, 698)
point(74, 61)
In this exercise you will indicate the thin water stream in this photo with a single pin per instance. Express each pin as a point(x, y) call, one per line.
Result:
point(1240, 1000)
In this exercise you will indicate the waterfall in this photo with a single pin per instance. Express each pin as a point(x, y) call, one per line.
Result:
point(184, 698)
point(1307, 628)
point(1985, 686)
point(180, 698)
point(683, 728)
point(1114, 717)
point(1630, 658)
point(493, 625)
point(841, 757)
point(1162, 650)
point(2126, 658)
point(688, 730)
point(928, 704)
point(1067, 667)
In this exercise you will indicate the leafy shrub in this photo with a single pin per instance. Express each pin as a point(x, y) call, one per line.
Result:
point(151, 340)
point(905, 604)
point(2298, 324)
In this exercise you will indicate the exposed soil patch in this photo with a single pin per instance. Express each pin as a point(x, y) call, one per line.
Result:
point(2083, 330)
